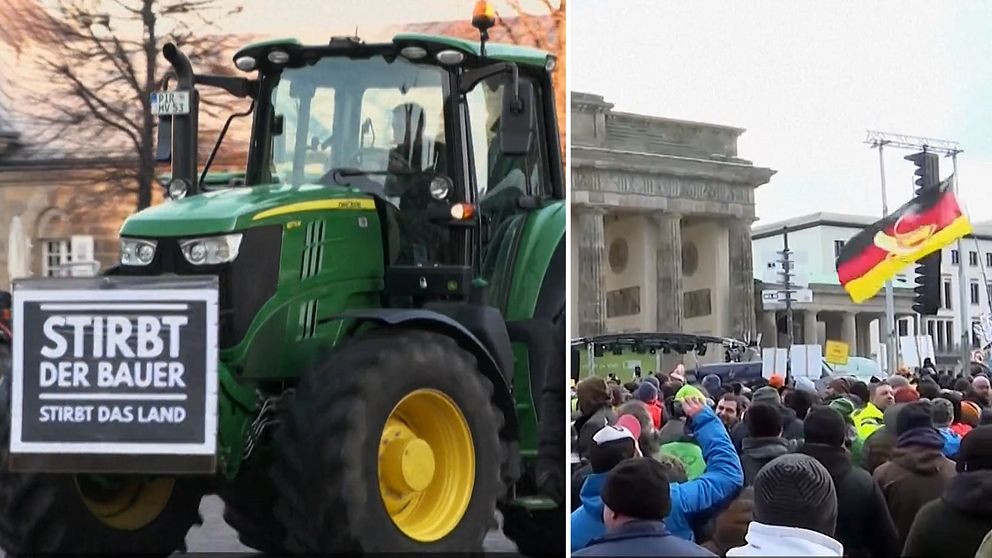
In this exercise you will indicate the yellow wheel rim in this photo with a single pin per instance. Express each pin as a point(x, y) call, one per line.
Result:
point(127, 506)
point(426, 465)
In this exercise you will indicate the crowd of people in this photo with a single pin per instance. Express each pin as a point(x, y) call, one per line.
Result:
point(898, 466)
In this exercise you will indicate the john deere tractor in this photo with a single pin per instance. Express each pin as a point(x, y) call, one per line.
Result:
point(388, 320)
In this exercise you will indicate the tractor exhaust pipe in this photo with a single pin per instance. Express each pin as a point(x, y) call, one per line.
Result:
point(185, 127)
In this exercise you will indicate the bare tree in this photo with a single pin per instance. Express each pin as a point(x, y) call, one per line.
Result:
point(532, 30)
point(100, 62)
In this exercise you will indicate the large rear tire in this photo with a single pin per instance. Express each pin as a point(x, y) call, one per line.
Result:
point(77, 514)
point(248, 504)
point(391, 446)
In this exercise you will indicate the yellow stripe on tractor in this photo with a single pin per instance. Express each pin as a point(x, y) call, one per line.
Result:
point(340, 204)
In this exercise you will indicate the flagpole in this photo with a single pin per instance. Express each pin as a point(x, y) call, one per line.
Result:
point(963, 283)
point(890, 304)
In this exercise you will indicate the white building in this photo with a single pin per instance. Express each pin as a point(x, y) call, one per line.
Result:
point(817, 239)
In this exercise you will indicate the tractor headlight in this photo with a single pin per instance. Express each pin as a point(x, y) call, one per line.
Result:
point(136, 251)
point(211, 250)
point(178, 188)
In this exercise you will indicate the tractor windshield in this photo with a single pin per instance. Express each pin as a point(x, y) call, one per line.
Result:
point(376, 123)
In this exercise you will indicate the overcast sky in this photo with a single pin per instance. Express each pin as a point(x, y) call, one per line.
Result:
point(806, 79)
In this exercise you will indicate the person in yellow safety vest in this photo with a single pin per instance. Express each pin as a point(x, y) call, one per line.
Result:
point(869, 418)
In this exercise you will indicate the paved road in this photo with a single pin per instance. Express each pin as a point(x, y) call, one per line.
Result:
point(215, 535)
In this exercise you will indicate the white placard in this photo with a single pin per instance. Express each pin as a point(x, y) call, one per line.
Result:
point(773, 361)
point(916, 349)
point(807, 361)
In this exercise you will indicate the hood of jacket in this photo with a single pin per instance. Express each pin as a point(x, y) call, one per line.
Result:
point(775, 540)
point(836, 460)
point(765, 448)
point(971, 493)
point(590, 494)
point(926, 461)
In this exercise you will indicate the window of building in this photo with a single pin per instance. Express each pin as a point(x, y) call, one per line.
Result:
point(56, 252)
point(955, 257)
point(931, 330)
point(838, 246)
point(903, 328)
point(988, 290)
point(946, 303)
point(988, 259)
point(973, 258)
point(949, 334)
point(974, 292)
point(941, 340)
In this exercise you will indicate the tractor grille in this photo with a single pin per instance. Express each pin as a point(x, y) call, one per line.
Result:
point(245, 284)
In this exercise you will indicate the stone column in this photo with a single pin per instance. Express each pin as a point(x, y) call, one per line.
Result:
point(591, 282)
point(668, 263)
point(741, 279)
point(809, 327)
point(849, 331)
point(769, 329)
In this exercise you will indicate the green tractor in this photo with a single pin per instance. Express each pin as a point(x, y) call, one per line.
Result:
point(390, 315)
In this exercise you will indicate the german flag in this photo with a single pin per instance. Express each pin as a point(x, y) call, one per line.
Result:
point(926, 224)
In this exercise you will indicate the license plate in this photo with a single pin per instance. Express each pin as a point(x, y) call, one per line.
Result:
point(170, 103)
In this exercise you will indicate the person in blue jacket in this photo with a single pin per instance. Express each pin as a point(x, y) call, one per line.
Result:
point(610, 445)
point(721, 481)
point(635, 499)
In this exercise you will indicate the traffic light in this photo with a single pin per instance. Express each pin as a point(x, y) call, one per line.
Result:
point(926, 300)
point(927, 171)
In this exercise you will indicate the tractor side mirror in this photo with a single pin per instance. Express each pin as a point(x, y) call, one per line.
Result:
point(163, 148)
point(516, 123)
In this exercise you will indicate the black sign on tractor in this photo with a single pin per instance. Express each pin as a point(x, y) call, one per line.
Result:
point(113, 367)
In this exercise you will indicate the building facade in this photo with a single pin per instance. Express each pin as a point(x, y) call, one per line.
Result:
point(817, 240)
point(661, 224)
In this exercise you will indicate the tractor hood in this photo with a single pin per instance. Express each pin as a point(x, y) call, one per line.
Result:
point(236, 209)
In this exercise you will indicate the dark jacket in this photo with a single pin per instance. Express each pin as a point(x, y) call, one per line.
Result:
point(914, 476)
point(878, 448)
point(589, 425)
point(731, 524)
point(642, 538)
point(955, 524)
point(756, 452)
point(864, 524)
point(792, 428)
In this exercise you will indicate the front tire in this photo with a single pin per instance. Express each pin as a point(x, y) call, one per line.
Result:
point(66, 513)
point(391, 446)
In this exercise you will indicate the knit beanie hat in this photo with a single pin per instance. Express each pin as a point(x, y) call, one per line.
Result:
point(839, 385)
point(776, 381)
point(942, 412)
point(825, 425)
point(913, 415)
point(976, 450)
point(638, 488)
point(843, 405)
point(612, 444)
point(794, 490)
point(897, 382)
point(767, 395)
point(688, 391)
point(971, 413)
point(712, 384)
point(646, 393)
point(906, 395)
point(653, 381)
